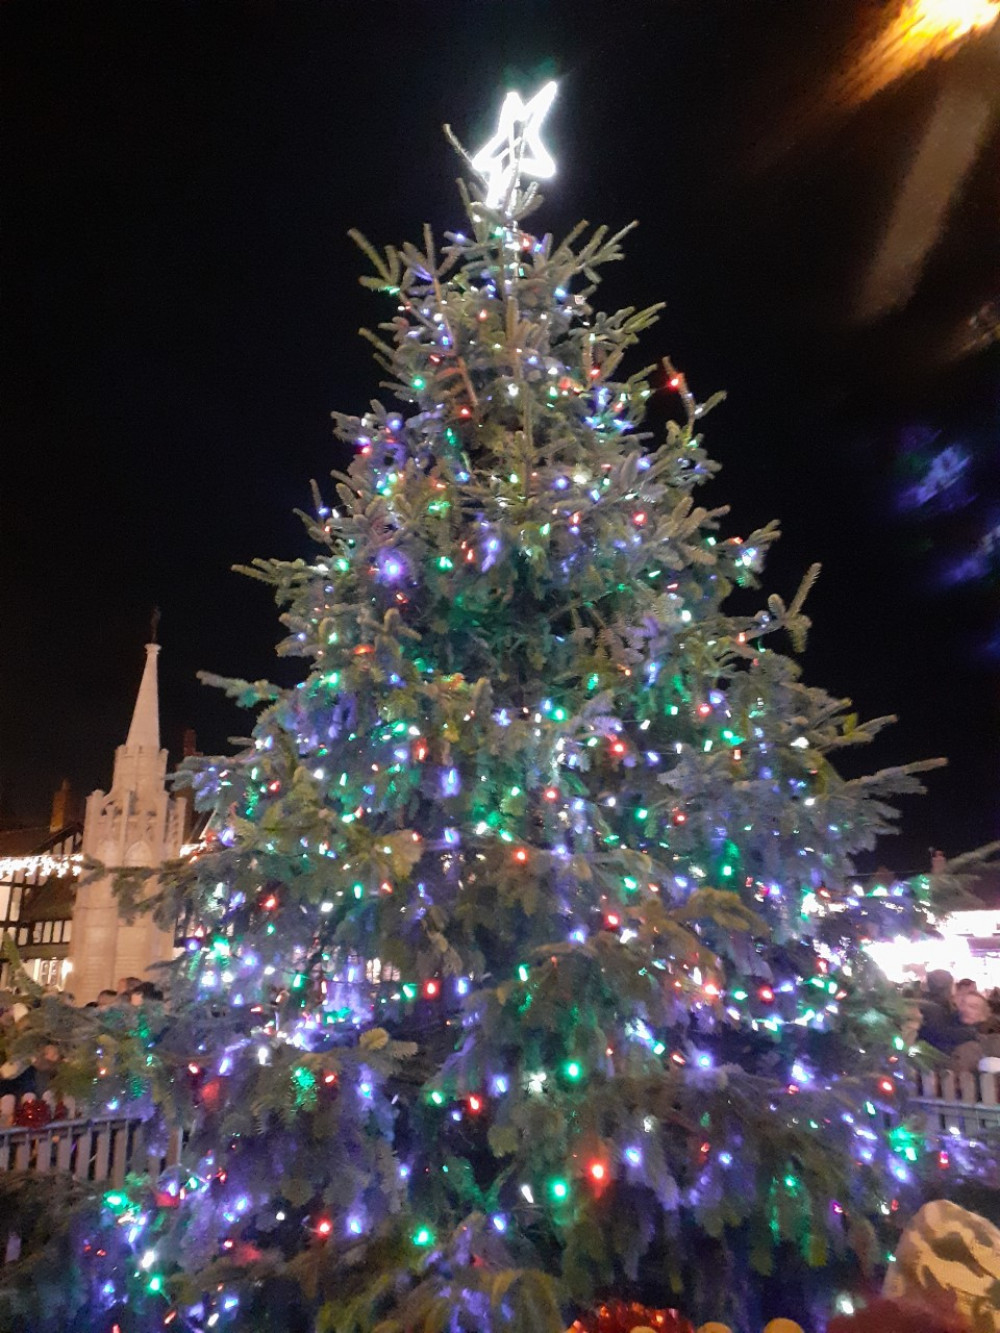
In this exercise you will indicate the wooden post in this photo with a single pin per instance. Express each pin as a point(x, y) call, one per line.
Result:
point(64, 1152)
point(119, 1157)
point(989, 1088)
point(102, 1154)
point(82, 1169)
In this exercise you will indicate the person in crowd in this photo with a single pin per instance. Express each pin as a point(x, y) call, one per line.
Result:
point(984, 1029)
point(106, 998)
point(126, 985)
point(143, 992)
point(939, 987)
point(964, 987)
point(940, 1024)
point(34, 1077)
point(974, 1011)
point(912, 1019)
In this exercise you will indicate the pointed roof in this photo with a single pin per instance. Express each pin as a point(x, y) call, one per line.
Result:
point(144, 732)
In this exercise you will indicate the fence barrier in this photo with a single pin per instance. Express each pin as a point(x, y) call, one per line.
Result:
point(967, 1102)
point(107, 1148)
point(96, 1148)
point(101, 1149)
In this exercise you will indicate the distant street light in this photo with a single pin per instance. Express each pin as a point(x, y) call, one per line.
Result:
point(966, 107)
point(922, 31)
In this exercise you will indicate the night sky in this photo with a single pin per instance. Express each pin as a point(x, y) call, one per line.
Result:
point(180, 309)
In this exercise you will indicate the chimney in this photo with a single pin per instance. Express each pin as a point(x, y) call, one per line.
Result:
point(62, 801)
point(189, 746)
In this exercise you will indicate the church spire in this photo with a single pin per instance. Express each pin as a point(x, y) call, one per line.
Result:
point(144, 732)
point(136, 823)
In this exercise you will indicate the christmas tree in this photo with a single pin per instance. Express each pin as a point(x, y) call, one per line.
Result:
point(523, 962)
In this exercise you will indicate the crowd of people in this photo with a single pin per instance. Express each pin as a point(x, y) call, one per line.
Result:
point(954, 1017)
point(21, 1077)
point(957, 1019)
point(130, 991)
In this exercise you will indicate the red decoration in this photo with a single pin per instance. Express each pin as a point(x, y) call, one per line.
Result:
point(211, 1094)
point(243, 1253)
point(32, 1114)
point(624, 1316)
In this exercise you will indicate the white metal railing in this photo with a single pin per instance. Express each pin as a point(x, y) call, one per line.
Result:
point(99, 1148)
point(102, 1149)
point(968, 1102)
point(96, 1148)
point(109, 1147)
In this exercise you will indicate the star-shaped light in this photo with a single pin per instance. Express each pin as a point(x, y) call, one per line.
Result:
point(517, 146)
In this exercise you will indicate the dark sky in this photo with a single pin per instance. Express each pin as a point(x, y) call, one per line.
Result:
point(180, 310)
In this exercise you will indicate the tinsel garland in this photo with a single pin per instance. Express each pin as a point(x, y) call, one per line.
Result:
point(631, 1317)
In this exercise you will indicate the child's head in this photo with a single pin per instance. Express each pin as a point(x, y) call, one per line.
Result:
point(973, 1007)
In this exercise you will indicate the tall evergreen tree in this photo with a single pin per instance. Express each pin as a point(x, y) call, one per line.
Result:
point(523, 963)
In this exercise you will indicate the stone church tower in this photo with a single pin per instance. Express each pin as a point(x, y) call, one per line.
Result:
point(136, 823)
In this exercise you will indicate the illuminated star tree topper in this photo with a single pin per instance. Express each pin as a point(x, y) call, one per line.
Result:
point(516, 149)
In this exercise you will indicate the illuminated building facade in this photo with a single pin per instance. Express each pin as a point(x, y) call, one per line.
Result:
point(64, 923)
